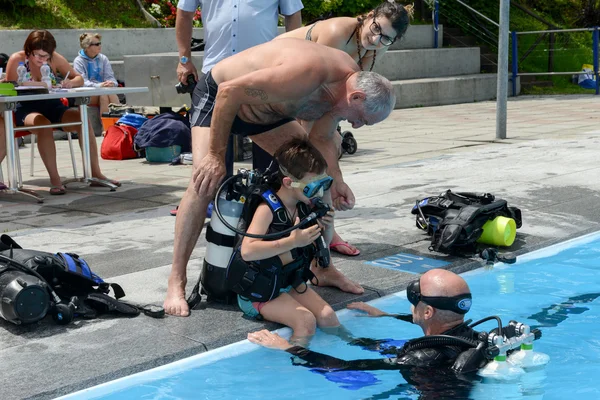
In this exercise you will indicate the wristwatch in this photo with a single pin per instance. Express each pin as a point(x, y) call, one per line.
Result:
point(183, 60)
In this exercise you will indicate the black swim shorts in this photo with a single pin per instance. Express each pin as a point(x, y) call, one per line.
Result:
point(53, 110)
point(203, 101)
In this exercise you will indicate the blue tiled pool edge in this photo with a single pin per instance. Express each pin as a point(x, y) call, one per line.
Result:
point(242, 347)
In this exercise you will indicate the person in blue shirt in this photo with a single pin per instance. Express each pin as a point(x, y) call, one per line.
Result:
point(231, 26)
point(95, 69)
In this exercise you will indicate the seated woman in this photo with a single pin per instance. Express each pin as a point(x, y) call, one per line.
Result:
point(95, 69)
point(365, 38)
point(39, 49)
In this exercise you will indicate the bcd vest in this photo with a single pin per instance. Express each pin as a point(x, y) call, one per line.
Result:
point(261, 280)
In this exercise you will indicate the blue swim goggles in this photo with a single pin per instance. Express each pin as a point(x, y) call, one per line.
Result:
point(315, 188)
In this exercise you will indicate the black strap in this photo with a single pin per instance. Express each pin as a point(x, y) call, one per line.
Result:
point(195, 297)
point(218, 238)
point(117, 290)
point(247, 280)
point(151, 310)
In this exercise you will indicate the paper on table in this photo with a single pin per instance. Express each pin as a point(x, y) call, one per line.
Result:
point(83, 89)
point(30, 87)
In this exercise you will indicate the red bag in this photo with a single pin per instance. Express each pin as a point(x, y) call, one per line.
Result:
point(118, 143)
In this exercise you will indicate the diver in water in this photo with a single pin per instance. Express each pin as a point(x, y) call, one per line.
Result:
point(439, 299)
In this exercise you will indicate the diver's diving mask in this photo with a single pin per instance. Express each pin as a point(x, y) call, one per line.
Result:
point(315, 188)
point(460, 304)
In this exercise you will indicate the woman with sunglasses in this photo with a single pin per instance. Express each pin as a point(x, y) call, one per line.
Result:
point(95, 69)
point(39, 49)
point(365, 38)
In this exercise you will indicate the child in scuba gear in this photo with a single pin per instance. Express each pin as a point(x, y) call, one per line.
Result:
point(302, 177)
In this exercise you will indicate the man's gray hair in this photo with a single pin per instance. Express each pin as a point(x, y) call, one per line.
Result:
point(380, 96)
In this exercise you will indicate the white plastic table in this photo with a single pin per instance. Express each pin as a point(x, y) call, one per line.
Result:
point(82, 96)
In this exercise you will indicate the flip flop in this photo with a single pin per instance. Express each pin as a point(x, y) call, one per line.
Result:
point(351, 253)
point(114, 182)
point(173, 212)
point(57, 190)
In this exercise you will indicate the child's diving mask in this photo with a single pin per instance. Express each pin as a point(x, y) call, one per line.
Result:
point(316, 187)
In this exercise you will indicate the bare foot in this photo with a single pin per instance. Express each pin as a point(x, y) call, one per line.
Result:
point(175, 303)
point(331, 276)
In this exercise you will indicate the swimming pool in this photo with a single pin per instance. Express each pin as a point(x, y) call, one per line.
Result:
point(556, 289)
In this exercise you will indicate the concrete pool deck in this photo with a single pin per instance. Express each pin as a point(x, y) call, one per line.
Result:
point(548, 167)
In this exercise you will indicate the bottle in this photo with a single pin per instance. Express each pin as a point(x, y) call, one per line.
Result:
point(500, 370)
point(45, 70)
point(21, 73)
point(527, 358)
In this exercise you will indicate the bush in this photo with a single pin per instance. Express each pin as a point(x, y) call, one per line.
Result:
point(319, 9)
point(165, 12)
point(17, 4)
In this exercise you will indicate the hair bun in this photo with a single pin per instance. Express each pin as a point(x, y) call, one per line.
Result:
point(410, 10)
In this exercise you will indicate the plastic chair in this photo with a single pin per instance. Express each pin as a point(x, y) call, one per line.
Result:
point(21, 134)
point(25, 133)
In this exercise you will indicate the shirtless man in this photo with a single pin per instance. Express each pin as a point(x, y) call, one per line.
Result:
point(260, 92)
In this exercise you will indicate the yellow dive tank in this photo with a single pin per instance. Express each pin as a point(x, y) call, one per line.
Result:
point(501, 231)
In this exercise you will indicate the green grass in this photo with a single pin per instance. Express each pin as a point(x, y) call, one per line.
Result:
point(541, 91)
point(562, 85)
point(75, 14)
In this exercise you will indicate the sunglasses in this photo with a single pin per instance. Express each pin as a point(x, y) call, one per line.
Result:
point(96, 44)
point(383, 39)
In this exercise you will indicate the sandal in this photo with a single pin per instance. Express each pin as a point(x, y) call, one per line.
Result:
point(114, 182)
point(57, 190)
point(336, 247)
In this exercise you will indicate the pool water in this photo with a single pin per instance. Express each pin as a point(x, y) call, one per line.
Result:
point(556, 289)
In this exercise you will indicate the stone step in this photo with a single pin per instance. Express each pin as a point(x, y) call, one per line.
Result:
point(117, 43)
point(429, 63)
point(447, 90)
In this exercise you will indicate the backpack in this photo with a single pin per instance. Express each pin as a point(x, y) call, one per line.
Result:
point(455, 220)
point(118, 143)
point(165, 130)
point(71, 277)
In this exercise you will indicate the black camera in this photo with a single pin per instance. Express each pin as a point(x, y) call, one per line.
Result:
point(322, 252)
point(319, 207)
point(189, 88)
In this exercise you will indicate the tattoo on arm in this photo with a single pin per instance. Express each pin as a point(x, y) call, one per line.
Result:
point(257, 93)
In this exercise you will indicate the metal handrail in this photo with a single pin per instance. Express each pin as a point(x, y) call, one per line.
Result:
point(515, 67)
point(478, 13)
point(559, 31)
